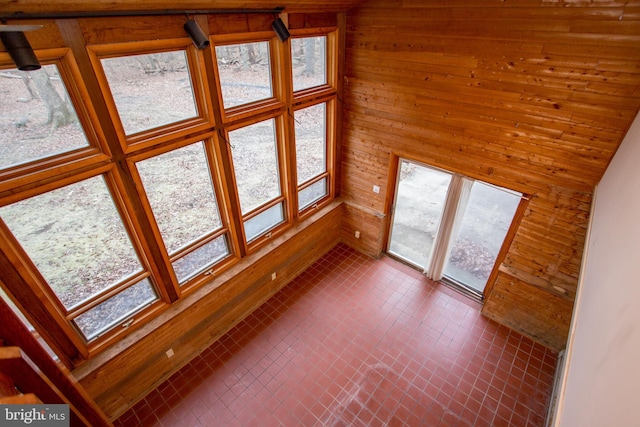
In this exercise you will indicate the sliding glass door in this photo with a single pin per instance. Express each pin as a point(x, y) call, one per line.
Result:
point(448, 225)
point(483, 227)
point(418, 206)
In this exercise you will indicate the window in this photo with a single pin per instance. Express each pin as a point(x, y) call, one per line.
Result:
point(449, 225)
point(482, 228)
point(245, 73)
point(256, 163)
point(77, 240)
point(182, 195)
point(37, 118)
point(135, 82)
point(311, 73)
point(309, 62)
point(109, 219)
point(156, 91)
point(311, 154)
point(43, 123)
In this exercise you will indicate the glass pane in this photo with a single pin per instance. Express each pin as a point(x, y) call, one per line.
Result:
point(418, 208)
point(245, 73)
point(75, 237)
point(312, 193)
point(483, 228)
point(116, 309)
point(263, 222)
point(255, 161)
point(196, 261)
point(311, 145)
point(151, 90)
point(37, 118)
point(179, 189)
point(309, 62)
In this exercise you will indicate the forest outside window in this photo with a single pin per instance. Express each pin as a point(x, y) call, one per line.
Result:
point(38, 120)
point(41, 121)
point(313, 78)
point(311, 154)
point(108, 232)
point(156, 94)
point(309, 62)
point(245, 73)
point(257, 166)
point(183, 198)
point(135, 82)
point(76, 238)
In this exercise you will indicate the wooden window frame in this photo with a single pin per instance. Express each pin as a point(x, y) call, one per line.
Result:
point(254, 109)
point(98, 151)
point(116, 157)
point(331, 65)
point(283, 174)
point(220, 189)
point(197, 73)
point(39, 292)
point(330, 156)
point(309, 97)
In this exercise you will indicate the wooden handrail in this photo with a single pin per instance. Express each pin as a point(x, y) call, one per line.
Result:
point(54, 382)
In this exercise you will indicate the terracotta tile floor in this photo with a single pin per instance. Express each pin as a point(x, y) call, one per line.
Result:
point(359, 342)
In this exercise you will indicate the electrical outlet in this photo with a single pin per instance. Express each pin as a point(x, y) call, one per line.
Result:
point(170, 353)
point(357, 234)
point(376, 189)
point(273, 276)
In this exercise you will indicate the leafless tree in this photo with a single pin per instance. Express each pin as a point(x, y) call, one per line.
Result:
point(59, 109)
point(309, 56)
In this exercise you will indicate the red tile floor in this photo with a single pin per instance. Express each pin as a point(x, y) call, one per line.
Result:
point(355, 341)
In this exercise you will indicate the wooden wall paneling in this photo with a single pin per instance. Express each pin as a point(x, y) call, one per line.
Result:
point(535, 312)
point(70, 6)
point(371, 226)
point(239, 23)
point(46, 37)
point(125, 29)
point(535, 97)
point(313, 20)
point(123, 374)
point(515, 143)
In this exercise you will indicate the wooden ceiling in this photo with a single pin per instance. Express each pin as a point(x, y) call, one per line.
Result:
point(48, 6)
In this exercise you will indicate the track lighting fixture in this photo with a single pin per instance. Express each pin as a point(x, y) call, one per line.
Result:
point(20, 50)
point(280, 29)
point(198, 36)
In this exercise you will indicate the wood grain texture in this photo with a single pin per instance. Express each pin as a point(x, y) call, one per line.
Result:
point(368, 224)
point(14, 333)
point(534, 96)
point(125, 373)
point(512, 303)
point(45, 6)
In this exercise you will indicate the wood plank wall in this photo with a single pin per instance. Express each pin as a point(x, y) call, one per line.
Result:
point(70, 6)
point(531, 95)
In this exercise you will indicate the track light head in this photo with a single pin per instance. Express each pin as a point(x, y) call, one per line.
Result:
point(280, 29)
point(20, 50)
point(198, 36)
